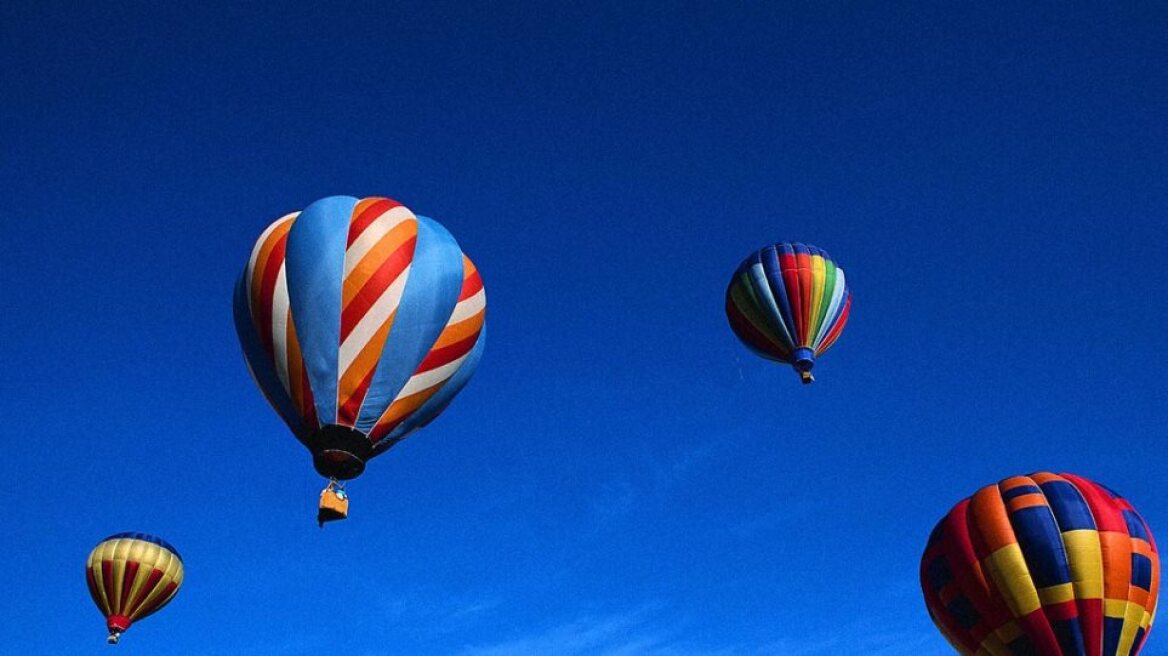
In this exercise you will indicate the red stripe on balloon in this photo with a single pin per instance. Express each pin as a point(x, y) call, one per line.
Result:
point(806, 283)
point(128, 582)
point(447, 354)
point(157, 602)
point(962, 558)
point(147, 588)
point(94, 592)
point(755, 338)
point(107, 581)
point(1035, 625)
point(270, 273)
point(794, 298)
point(1107, 516)
point(309, 410)
point(838, 328)
point(471, 286)
point(376, 286)
point(1091, 622)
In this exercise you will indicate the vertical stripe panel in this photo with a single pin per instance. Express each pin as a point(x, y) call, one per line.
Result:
point(315, 263)
point(430, 295)
point(259, 363)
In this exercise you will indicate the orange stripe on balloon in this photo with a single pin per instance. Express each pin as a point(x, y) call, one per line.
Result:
point(400, 409)
point(373, 261)
point(1026, 501)
point(1138, 596)
point(1116, 549)
point(991, 520)
point(354, 383)
point(295, 367)
point(1045, 477)
point(1015, 482)
point(1142, 548)
point(460, 331)
point(347, 411)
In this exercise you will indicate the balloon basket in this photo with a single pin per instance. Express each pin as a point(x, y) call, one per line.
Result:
point(334, 504)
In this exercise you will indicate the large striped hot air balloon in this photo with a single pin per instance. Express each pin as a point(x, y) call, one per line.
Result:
point(130, 576)
point(1042, 565)
point(789, 303)
point(360, 322)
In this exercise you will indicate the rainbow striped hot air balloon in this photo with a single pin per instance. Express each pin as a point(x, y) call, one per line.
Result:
point(1042, 565)
point(789, 303)
point(130, 576)
point(360, 322)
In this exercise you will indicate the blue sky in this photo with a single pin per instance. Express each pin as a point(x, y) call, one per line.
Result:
point(621, 476)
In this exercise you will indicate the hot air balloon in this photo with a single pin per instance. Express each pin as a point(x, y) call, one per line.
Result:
point(130, 576)
point(360, 322)
point(1044, 565)
point(789, 303)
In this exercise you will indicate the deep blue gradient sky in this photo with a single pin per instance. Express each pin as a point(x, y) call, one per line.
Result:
point(621, 476)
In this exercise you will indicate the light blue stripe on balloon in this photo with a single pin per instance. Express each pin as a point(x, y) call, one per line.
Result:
point(431, 292)
point(769, 257)
point(437, 403)
point(262, 367)
point(765, 301)
point(315, 266)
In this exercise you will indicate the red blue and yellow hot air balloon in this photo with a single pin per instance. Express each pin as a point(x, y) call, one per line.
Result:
point(789, 303)
point(130, 576)
point(360, 322)
point(1042, 565)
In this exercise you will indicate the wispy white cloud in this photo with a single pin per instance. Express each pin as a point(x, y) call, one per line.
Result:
point(656, 479)
point(614, 635)
point(429, 611)
point(644, 633)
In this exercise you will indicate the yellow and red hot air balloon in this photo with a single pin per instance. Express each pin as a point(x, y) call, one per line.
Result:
point(131, 576)
point(1042, 565)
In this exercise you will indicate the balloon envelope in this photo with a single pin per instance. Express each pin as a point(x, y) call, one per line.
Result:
point(131, 576)
point(789, 302)
point(360, 322)
point(1047, 564)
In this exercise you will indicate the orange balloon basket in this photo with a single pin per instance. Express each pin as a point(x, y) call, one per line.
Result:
point(334, 504)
